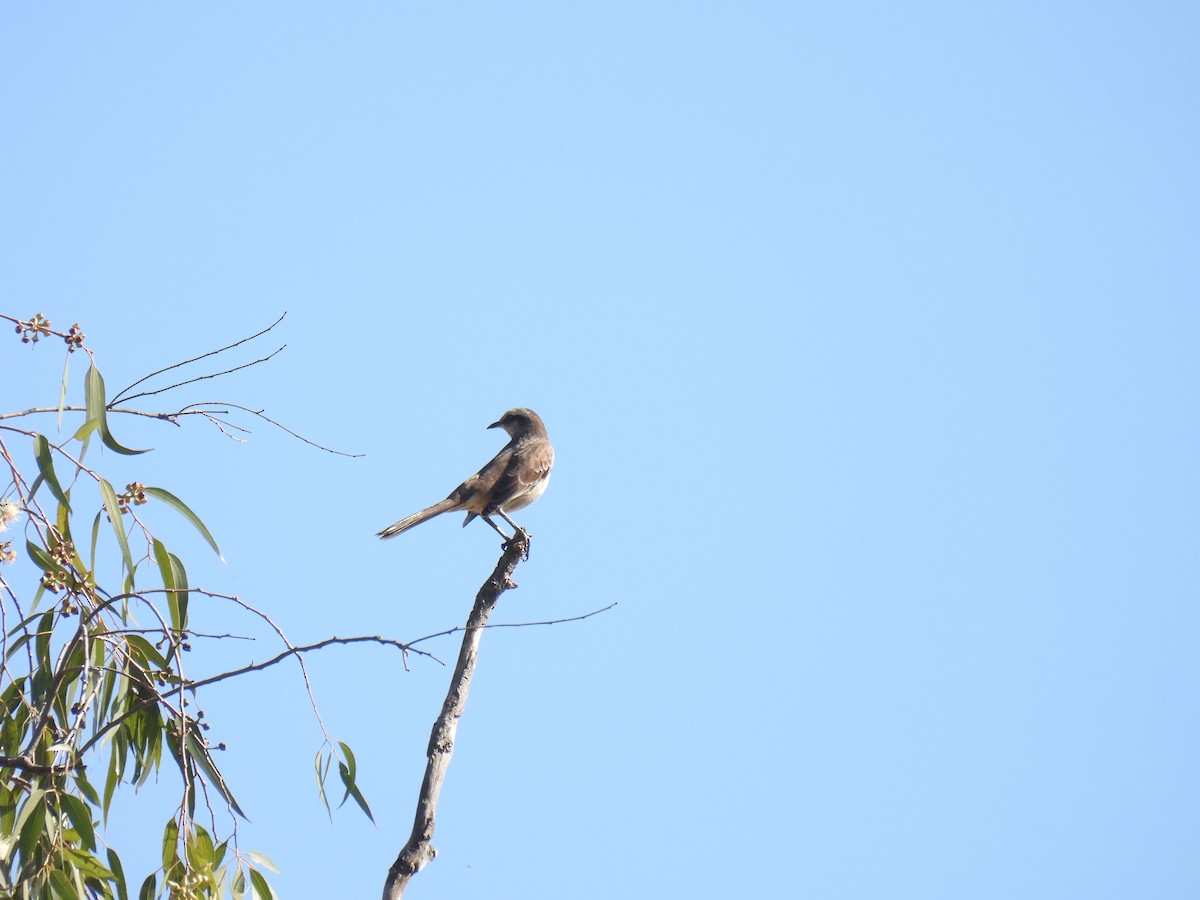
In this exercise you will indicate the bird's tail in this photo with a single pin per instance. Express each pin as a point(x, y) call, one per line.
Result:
point(417, 518)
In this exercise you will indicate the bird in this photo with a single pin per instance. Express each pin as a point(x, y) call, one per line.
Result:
point(515, 477)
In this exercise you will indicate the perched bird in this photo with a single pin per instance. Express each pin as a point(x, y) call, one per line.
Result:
point(515, 477)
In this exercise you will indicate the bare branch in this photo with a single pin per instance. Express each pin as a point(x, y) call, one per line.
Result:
point(25, 764)
point(419, 851)
point(296, 651)
point(177, 365)
point(172, 387)
point(202, 409)
point(259, 413)
point(458, 628)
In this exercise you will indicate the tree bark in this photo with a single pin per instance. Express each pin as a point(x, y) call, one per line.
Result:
point(419, 850)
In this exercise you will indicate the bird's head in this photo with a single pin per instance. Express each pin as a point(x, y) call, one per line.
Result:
point(518, 420)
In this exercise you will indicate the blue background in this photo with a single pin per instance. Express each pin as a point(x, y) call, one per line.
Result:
point(867, 337)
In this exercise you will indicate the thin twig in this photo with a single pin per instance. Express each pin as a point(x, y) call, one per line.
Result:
point(268, 419)
point(458, 628)
point(172, 387)
point(196, 359)
point(296, 651)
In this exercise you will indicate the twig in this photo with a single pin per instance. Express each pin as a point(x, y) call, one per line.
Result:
point(172, 387)
point(192, 409)
point(268, 419)
point(419, 851)
point(177, 365)
point(458, 628)
point(296, 651)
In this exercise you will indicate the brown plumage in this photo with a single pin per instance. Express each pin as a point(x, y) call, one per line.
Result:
point(515, 477)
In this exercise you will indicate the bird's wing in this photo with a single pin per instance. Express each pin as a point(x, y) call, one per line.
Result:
point(475, 494)
point(522, 472)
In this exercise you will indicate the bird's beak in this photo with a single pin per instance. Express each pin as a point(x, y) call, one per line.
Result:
point(495, 425)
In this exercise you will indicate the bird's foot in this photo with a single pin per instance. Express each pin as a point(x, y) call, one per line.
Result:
point(521, 535)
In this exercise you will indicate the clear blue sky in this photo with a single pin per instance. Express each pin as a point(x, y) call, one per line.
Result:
point(867, 336)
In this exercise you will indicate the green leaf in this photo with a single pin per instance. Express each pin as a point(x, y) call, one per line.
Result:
point(45, 464)
point(83, 432)
point(63, 887)
point(348, 772)
point(41, 557)
point(31, 822)
point(199, 754)
point(176, 601)
point(114, 863)
point(85, 788)
point(164, 564)
point(149, 888)
point(200, 851)
point(179, 573)
point(16, 645)
point(350, 761)
point(180, 507)
point(237, 888)
point(170, 849)
point(262, 860)
point(95, 537)
point(41, 644)
point(63, 521)
point(116, 768)
point(87, 865)
point(353, 791)
point(260, 886)
point(62, 390)
point(80, 815)
point(145, 652)
point(93, 391)
point(322, 770)
point(118, 523)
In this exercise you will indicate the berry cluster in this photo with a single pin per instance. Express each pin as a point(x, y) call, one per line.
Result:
point(32, 331)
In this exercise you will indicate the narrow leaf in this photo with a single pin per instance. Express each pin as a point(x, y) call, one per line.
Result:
point(200, 756)
point(116, 769)
point(353, 791)
point(170, 849)
point(149, 888)
point(180, 507)
point(80, 815)
point(84, 431)
point(179, 573)
point(41, 558)
point(145, 652)
point(200, 850)
point(85, 788)
point(114, 863)
point(348, 772)
point(62, 390)
point(175, 601)
point(263, 861)
point(45, 464)
point(93, 391)
point(114, 516)
point(95, 537)
point(63, 888)
point(322, 769)
point(31, 823)
point(258, 883)
point(63, 522)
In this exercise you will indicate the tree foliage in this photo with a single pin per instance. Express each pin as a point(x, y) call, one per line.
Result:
point(95, 658)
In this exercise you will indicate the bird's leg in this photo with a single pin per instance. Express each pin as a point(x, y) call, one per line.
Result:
point(488, 519)
point(517, 530)
point(515, 526)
